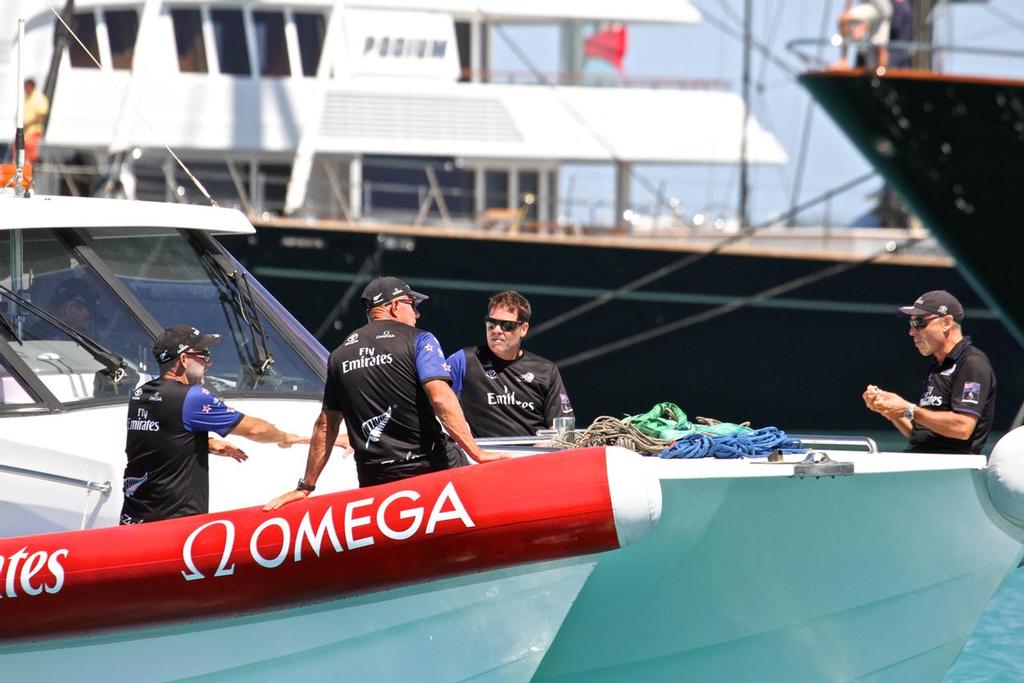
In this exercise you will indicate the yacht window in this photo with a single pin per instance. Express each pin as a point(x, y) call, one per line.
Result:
point(122, 29)
point(496, 189)
point(229, 35)
point(71, 296)
point(179, 287)
point(311, 29)
point(188, 37)
point(84, 24)
point(271, 48)
point(12, 391)
point(462, 40)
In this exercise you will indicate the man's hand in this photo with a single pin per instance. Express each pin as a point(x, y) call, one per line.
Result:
point(290, 440)
point(220, 447)
point(292, 496)
point(343, 442)
point(889, 404)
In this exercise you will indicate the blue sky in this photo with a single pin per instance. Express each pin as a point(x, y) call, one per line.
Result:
point(779, 103)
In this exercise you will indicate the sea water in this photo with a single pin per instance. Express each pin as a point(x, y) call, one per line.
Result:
point(995, 650)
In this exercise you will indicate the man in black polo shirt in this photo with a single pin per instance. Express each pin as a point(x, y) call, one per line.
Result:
point(389, 380)
point(169, 421)
point(954, 412)
point(506, 390)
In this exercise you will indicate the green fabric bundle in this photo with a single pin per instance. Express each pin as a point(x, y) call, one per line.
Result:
point(668, 421)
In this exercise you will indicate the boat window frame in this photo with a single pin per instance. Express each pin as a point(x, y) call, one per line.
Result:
point(130, 37)
point(196, 47)
point(203, 240)
point(78, 58)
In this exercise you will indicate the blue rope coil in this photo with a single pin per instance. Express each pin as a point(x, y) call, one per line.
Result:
point(758, 443)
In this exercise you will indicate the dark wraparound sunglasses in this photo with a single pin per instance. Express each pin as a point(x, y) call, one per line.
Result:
point(507, 325)
point(921, 323)
point(202, 356)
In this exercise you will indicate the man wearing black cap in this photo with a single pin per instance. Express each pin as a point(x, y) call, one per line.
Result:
point(169, 420)
point(957, 403)
point(388, 380)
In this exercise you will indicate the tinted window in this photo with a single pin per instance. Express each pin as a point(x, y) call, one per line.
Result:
point(188, 38)
point(53, 280)
point(122, 29)
point(311, 28)
point(229, 35)
point(85, 26)
point(178, 287)
point(271, 49)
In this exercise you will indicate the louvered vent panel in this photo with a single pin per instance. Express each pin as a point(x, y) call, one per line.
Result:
point(415, 117)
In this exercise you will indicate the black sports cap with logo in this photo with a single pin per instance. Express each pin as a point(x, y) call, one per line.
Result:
point(383, 289)
point(937, 302)
point(177, 340)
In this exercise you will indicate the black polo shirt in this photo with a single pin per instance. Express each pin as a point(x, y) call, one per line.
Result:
point(375, 379)
point(963, 383)
point(508, 398)
point(167, 474)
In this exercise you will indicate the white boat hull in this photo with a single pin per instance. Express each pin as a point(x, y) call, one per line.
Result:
point(879, 576)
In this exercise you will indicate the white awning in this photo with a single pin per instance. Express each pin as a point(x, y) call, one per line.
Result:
point(513, 122)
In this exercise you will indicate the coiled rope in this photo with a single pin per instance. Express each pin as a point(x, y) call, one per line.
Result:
point(757, 443)
point(611, 431)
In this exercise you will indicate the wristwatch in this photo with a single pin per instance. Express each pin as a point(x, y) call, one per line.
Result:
point(303, 486)
point(908, 412)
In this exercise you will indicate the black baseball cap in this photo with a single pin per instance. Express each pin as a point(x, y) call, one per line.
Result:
point(936, 302)
point(383, 289)
point(177, 340)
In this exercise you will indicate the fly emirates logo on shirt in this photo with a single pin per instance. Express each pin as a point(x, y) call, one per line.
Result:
point(368, 358)
point(142, 423)
point(508, 398)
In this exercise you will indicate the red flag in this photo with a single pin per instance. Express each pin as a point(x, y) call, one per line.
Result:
point(608, 44)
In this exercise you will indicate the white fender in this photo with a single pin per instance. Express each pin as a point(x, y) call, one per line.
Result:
point(635, 493)
point(1005, 476)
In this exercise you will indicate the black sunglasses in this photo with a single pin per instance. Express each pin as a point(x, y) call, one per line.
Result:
point(507, 325)
point(201, 355)
point(921, 323)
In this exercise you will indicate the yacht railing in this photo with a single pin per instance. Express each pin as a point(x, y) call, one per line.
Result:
point(920, 55)
point(865, 442)
point(102, 487)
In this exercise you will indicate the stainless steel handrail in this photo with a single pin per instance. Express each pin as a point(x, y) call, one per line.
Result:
point(105, 487)
point(829, 440)
point(512, 440)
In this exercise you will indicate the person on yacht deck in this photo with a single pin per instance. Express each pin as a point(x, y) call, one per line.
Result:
point(957, 403)
point(506, 390)
point(391, 383)
point(169, 423)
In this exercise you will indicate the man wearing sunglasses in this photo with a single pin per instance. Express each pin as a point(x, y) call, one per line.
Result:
point(391, 384)
point(957, 403)
point(506, 390)
point(169, 423)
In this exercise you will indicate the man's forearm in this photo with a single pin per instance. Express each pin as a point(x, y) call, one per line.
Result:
point(320, 446)
point(946, 423)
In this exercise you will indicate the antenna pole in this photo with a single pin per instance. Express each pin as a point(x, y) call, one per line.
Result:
point(747, 46)
point(19, 121)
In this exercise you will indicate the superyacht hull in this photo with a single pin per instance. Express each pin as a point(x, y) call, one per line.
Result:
point(951, 146)
point(761, 362)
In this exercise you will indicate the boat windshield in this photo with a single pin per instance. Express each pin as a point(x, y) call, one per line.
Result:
point(65, 331)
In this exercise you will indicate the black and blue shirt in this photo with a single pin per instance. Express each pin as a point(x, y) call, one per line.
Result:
point(168, 474)
point(375, 379)
point(963, 383)
point(508, 397)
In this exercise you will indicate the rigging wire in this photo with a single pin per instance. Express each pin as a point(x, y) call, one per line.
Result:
point(732, 32)
point(124, 98)
point(690, 259)
point(734, 305)
point(805, 138)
